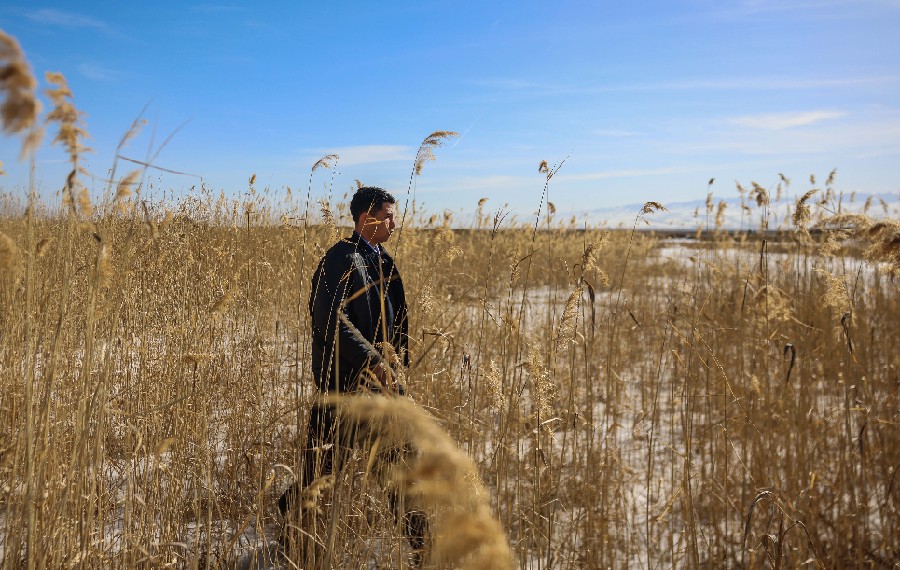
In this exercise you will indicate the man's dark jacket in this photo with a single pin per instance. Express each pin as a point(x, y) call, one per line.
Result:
point(351, 279)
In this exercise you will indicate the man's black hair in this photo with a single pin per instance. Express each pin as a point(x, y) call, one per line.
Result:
point(369, 199)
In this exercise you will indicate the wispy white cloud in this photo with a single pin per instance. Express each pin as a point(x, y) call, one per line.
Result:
point(631, 173)
point(762, 83)
point(491, 182)
point(509, 83)
point(65, 19)
point(97, 71)
point(818, 8)
point(367, 154)
point(781, 121)
point(735, 83)
point(614, 133)
point(217, 8)
point(484, 184)
point(864, 131)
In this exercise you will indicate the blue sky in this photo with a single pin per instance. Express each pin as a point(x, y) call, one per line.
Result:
point(645, 100)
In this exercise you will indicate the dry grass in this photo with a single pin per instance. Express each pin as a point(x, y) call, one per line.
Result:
point(601, 398)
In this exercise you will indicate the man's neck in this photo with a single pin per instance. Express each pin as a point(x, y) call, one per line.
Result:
point(375, 247)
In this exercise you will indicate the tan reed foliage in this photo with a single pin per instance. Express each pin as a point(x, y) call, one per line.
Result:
point(210, 334)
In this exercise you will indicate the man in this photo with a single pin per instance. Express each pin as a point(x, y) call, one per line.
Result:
point(357, 300)
point(357, 303)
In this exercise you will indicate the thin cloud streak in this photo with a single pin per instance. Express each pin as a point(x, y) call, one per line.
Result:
point(54, 17)
point(614, 133)
point(781, 121)
point(817, 8)
point(217, 9)
point(875, 134)
point(368, 154)
point(509, 182)
point(759, 83)
point(632, 173)
point(97, 72)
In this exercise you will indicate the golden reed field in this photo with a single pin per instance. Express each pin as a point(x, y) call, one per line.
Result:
point(579, 397)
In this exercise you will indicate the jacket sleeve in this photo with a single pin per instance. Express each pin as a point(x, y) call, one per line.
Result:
point(333, 282)
point(401, 324)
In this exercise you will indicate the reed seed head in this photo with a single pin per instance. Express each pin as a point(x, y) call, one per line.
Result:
point(426, 149)
point(8, 253)
point(650, 207)
point(325, 161)
point(801, 210)
point(720, 213)
point(104, 267)
point(123, 190)
point(19, 108)
point(71, 133)
point(569, 319)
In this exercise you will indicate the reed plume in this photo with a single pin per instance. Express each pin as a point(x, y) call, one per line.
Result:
point(123, 189)
point(325, 162)
point(837, 295)
point(759, 194)
point(565, 331)
point(443, 480)
point(20, 107)
point(884, 243)
point(71, 132)
point(591, 270)
point(801, 209)
point(8, 253)
point(426, 149)
point(720, 214)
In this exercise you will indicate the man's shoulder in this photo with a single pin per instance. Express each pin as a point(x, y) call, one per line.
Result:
point(344, 247)
point(343, 254)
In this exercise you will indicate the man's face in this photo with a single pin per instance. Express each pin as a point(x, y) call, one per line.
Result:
point(379, 225)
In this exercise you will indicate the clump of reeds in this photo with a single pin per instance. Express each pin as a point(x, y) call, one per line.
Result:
point(880, 238)
point(884, 243)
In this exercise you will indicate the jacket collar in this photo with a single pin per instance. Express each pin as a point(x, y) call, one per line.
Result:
point(366, 247)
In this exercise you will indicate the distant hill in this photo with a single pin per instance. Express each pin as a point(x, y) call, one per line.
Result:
point(683, 215)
